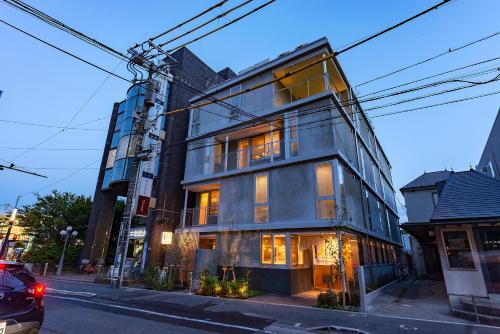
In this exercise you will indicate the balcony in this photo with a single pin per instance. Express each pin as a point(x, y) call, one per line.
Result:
point(199, 216)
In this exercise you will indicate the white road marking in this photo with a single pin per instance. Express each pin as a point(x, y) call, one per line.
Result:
point(209, 322)
point(71, 293)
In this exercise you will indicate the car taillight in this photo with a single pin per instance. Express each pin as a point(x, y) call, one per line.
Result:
point(38, 290)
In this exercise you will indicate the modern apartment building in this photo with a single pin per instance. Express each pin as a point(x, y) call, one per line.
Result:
point(294, 170)
point(160, 194)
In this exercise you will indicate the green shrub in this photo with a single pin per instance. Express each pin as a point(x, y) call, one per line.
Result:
point(51, 254)
point(333, 300)
point(209, 284)
point(153, 279)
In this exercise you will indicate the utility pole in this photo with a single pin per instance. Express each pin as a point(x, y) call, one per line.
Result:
point(3, 251)
point(123, 237)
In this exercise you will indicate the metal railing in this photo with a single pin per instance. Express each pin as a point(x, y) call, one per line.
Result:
point(300, 90)
point(473, 298)
point(199, 216)
point(242, 158)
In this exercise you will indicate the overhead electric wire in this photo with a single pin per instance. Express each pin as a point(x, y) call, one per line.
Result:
point(428, 59)
point(51, 148)
point(222, 26)
point(49, 125)
point(14, 168)
point(205, 23)
point(24, 7)
point(431, 76)
point(219, 4)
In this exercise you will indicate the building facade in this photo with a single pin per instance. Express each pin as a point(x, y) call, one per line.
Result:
point(490, 159)
point(455, 216)
point(293, 172)
point(158, 209)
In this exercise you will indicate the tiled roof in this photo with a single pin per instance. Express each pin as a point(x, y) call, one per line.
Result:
point(427, 179)
point(468, 195)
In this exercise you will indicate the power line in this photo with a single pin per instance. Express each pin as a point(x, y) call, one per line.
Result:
point(205, 23)
point(219, 4)
point(222, 26)
point(63, 51)
point(429, 59)
point(14, 168)
point(49, 125)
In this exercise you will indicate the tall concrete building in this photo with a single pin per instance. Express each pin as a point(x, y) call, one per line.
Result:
point(296, 172)
point(161, 204)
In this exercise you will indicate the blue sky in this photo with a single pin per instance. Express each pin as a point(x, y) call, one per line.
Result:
point(42, 85)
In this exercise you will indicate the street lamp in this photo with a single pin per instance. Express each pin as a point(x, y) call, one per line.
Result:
point(66, 234)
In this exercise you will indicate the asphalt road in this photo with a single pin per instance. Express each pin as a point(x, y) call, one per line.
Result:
point(73, 307)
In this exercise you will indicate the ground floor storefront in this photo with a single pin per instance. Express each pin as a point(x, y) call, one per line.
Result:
point(291, 262)
point(468, 254)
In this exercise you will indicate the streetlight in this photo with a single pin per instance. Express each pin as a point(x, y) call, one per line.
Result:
point(66, 234)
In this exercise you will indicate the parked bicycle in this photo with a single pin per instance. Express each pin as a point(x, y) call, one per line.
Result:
point(402, 272)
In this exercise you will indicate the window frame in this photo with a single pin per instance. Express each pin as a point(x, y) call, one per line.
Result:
point(469, 239)
point(273, 236)
point(332, 197)
point(288, 131)
point(263, 204)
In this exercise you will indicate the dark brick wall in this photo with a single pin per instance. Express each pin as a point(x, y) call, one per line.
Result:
point(169, 194)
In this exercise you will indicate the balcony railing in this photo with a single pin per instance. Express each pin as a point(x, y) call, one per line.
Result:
point(242, 158)
point(199, 216)
point(300, 90)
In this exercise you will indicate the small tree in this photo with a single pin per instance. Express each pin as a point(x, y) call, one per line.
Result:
point(230, 255)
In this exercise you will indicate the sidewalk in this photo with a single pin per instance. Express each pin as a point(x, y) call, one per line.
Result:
point(423, 299)
point(69, 276)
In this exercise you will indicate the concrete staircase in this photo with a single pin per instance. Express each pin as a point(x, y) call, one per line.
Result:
point(488, 311)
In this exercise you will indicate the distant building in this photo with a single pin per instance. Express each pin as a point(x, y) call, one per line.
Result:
point(490, 159)
point(293, 167)
point(455, 216)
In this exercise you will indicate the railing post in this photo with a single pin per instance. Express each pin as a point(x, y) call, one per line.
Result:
point(226, 152)
point(475, 308)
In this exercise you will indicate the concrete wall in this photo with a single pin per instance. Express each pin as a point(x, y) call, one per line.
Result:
point(419, 205)
point(459, 281)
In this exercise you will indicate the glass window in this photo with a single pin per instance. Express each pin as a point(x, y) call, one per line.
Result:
point(261, 198)
point(243, 153)
point(202, 220)
point(261, 145)
point(267, 249)
point(280, 249)
point(195, 121)
point(111, 158)
point(325, 203)
point(294, 250)
point(458, 250)
point(273, 249)
point(214, 202)
point(292, 128)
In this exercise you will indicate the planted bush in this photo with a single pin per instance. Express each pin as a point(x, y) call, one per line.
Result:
point(333, 300)
point(210, 285)
point(156, 280)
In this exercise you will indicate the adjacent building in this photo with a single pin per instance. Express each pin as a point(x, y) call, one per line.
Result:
point(455, 216)
point(490, 159)
point(292, 171)
point(160, 195)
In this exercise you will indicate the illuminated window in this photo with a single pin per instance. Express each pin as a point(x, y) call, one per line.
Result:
point(294, 250)
point(273, 249)
point(261, 198)
point(243, 153)
point(325, 203)
point(209, 205)
point(261, 145)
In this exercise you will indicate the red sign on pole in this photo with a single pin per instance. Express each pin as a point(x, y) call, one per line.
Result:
point(142, 206)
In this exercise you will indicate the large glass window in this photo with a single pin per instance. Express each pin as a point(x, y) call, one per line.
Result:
point(243, 153)
point(458, 250)
point(273, 249)
point(261, 145)
point(325, 203)
point(261, 198)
